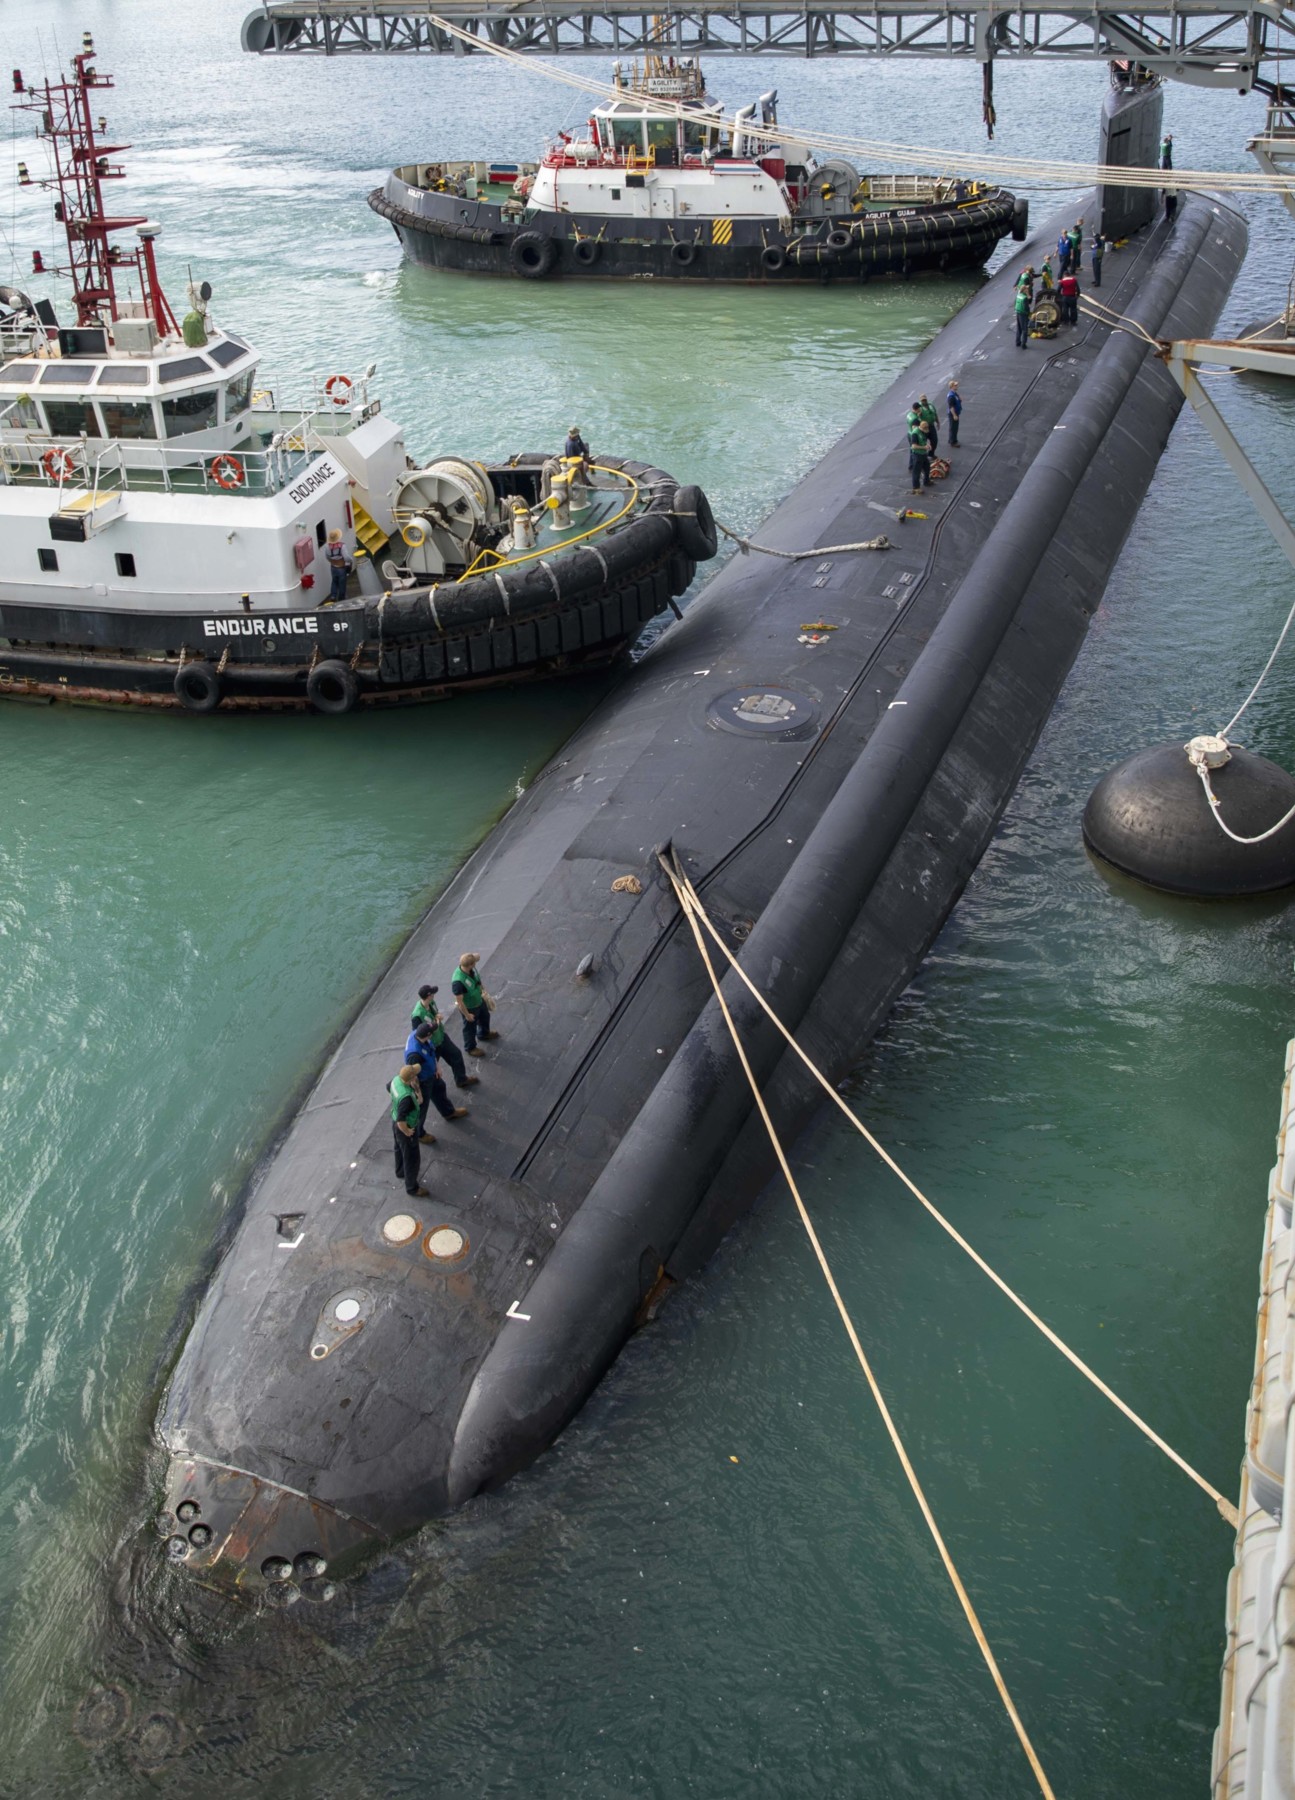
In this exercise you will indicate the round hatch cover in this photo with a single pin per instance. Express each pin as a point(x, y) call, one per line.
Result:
point(445, 1243)
point(766, 712)
point(399, 1228)
point(346, 1310)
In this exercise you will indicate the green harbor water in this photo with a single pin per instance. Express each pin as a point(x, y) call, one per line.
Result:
point(716, 1585)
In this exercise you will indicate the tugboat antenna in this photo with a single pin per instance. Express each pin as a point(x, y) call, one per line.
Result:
point(81, 166)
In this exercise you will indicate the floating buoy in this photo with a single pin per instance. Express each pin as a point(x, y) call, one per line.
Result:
point(1152, 818)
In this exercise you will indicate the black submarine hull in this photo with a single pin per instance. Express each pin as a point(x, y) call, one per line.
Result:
point(829, 799)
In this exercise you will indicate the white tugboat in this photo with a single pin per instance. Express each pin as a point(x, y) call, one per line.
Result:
point(166, 521)
point(660, 185)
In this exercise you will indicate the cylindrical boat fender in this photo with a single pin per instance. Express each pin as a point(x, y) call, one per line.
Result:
point(684, 254)
point(331, 687)
point(197, 687)
point(694, 524)
point(531, 255)
point(1021, 221)
point(587, 252)
point(773, 256)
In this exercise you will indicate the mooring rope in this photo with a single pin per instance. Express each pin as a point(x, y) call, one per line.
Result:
point(696, 913)
point(964, 1599)
point(744, 544)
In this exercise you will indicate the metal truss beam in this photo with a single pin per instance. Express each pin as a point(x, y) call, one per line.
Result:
point(1182, 40)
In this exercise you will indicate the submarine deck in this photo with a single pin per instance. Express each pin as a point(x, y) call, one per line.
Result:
point(736, 741)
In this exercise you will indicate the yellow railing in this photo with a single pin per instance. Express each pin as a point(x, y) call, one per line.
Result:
point(479, 567)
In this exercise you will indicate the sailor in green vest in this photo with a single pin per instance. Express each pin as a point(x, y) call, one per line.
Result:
point(919, 456)
point(406, 1103)
point(1021, 312)
point(473, 1002)
point(913, 418)
point(930, 420)
point(445, 1047)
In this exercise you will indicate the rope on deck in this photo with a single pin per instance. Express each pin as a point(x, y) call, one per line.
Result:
point(696, 914)
point(744, 544)
point(692, 911)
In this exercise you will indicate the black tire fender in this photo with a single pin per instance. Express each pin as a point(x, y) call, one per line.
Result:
point(587, 251)
point(197, 687)
point(331, 687)
point(1021, 221)
point(838, 239)
point(694, 524)
point(531, 255)
point(684, 254)
point(773, 256)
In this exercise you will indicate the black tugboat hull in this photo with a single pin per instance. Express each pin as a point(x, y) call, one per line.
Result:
point(473, 237)
point(560, 615)
point(375, 1360)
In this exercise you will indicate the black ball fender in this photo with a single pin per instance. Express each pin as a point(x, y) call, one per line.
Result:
point(694, 524)
point(332, 688)
point(197, 687)
point(532, 255)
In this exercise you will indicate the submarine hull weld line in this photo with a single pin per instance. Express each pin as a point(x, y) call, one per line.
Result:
point(828, 830)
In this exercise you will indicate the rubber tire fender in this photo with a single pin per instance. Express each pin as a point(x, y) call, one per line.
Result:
point(694, 524)
point(530, 245)
point(1021, 221)
point(684, 254)
point(331, 688)
point(197, 687)
point(773, 256)
point(586, 252)
point(837, 239)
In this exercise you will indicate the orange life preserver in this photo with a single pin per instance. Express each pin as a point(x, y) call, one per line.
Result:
point(60, 465)
point(227, 471)
point(338, 388)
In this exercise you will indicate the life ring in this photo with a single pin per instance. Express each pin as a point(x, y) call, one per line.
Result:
point(197, 687)
point(331, 687)
point(694, 524)
point(587, 251)
point(838, 238)
point(773, 256)
point(227, 472)
point(532, 255)
point(59, 465)
point(338, 389)
point(684, 254)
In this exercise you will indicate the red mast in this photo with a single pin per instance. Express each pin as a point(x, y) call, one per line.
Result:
point(81, 166)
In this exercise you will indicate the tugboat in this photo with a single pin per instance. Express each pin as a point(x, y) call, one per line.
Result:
point(661, 186)
point(167, 523)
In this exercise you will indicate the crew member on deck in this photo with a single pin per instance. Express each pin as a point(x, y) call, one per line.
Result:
point(919, 456)
point(930, 422)
point(1167, 151)
point(473, 1002)
point(339, 565)
point(1097, 252)
point(1021, 308)
point(953, 410)
point(1063, 253)
point(405, 1102)
point(1070, 298)
point(443, 1044)
point(576, 446)
point(419, 1049)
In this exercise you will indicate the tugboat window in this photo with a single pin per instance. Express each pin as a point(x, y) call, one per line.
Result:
point(123, 375)
point(125, 563)
point(69, 418)
point(23, 415)
point(226, 353)
point(69, 373)
point(238, 395)
point(189, 412)
point(48, 561)
point(182, 370)
point(321, 534)
point(127, 418)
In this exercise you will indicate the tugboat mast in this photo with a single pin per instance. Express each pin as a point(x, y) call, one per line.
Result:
point(81, 166)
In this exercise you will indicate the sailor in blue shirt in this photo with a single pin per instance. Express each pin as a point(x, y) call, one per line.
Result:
point(953, 407)
point(420, 1049)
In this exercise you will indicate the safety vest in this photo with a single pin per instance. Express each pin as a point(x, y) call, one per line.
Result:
point(927, 414)
point(913, 418)
point(918, 442)
point(424, 1011)
point(472, 983)
point(1022, 300)
point(400, 1090)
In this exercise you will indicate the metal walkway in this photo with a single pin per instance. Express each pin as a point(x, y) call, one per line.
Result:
point(1182, 40)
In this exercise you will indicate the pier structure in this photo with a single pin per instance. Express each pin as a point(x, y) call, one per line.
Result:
point(1239, 46)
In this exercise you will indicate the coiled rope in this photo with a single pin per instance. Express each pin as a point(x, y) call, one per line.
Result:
point(927, 158)
point(693, 912)
point(697, 916)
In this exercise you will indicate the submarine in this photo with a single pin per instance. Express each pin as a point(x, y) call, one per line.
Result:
point(364, 1362)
